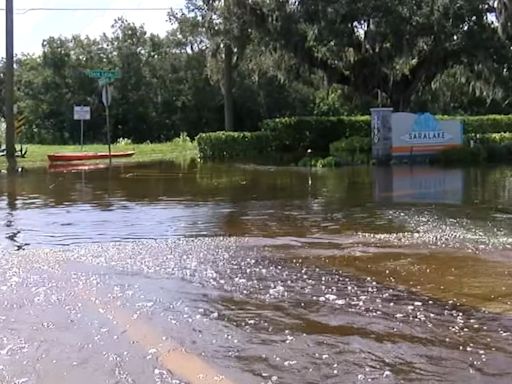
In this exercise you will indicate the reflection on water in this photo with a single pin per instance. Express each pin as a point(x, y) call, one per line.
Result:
point(274, 275)
point(419, 185)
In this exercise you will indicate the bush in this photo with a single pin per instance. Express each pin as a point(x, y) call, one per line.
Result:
point(462, 156)
point(292, 137)
point(487, 124)
point(329, 102)
point(233, 145)
point(328, 162)
point(490, 138)
point(352, 150)
point(298, 134)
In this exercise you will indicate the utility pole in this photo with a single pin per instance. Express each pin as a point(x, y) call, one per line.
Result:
point(10, 135)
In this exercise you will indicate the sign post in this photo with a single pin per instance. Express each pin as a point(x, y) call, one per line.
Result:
point(106, 97)
point(82, 113)
point(104, 79)
point(20, 125)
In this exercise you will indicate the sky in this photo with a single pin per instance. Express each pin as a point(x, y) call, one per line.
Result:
point(31, 28)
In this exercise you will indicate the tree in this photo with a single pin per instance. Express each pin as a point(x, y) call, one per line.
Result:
point(223, 25)
point(391, 48)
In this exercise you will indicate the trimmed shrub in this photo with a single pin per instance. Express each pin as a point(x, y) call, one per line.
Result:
point(352, 150)
point(233, 145)
point(292, 137)
point(462, 156)
point(474, 125)
point(298, 134)
point(490, 138)
point(487, 124)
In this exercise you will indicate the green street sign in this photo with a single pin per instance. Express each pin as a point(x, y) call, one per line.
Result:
point(102, 74)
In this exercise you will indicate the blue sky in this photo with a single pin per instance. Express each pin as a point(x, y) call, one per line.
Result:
point(31, 28)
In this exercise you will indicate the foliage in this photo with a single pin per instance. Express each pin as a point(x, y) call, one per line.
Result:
point(233, 145)
point(487, 124)
point(162, 92)
point(300, 134)
point(328, 162)
point(329, 102)
point(490, 138)
point(273, 60)
point(222, 26)
point(480, 90)
point(462, 156)
point(386, 50)
point(352, 150)
point(491, 153)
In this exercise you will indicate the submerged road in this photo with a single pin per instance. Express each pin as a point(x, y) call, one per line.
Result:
point(221, 274)
point(232, 310)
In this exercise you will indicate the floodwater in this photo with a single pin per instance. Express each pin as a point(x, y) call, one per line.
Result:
point(193, 273)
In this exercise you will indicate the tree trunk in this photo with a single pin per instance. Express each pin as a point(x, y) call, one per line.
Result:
point(229, 110)
point(401, 100)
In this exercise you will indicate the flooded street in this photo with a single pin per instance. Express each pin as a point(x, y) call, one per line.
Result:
point(168, 273)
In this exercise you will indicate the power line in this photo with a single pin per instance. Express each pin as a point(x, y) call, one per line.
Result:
point(23, 11)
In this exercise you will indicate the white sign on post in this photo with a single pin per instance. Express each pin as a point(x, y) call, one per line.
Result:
point(82, 112)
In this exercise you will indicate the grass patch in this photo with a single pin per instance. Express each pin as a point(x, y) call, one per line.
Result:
point(180, 149)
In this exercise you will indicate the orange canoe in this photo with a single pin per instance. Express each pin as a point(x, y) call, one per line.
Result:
point(82, 156)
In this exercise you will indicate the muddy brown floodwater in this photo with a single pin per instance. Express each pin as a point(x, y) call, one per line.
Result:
point(193, 273)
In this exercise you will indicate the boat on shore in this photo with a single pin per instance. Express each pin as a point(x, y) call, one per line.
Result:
point(84, 156)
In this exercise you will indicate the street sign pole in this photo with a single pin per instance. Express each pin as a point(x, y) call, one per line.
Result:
point(81, 135)
point(108, 136)
point(106, 101)
point(104, 79)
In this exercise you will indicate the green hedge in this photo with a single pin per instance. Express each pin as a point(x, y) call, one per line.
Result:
point(490, 153)
point(298, 134)
point(233, 145)
point(490, 138)
point(353, 150)
point(484, 124)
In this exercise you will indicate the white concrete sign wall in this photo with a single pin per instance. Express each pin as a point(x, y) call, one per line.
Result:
point(423, 134)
